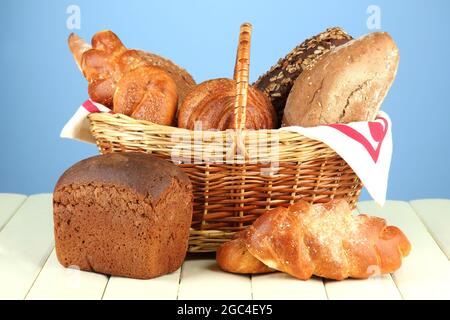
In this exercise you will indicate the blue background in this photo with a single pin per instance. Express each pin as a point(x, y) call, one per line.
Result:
point(41, 87)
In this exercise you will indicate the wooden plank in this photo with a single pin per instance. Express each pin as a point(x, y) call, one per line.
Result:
point(376, 288)
point(9, 203)
point(425, 273)
point(201, 278)
point(281, 286)
point(25, 243)
point(435, 214)
point(161, 288)
point(57, 283)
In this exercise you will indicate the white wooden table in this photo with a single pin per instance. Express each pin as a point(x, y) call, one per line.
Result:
point(29, 268)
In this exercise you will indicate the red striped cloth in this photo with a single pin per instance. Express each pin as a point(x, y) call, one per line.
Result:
point(365, 146)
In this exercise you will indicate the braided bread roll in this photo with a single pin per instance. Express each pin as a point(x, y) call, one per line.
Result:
point(105, 62)
point(233, 256)
point(323, 240)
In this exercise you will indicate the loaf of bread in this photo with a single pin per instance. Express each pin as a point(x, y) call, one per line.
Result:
point(124, 214)
point(278, 81)
point(322, 239)
point(107, 60)
point(347, 84)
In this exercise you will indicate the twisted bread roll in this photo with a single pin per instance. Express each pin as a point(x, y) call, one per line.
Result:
point(323, 240)
point(233, 256)
point(104, 64)
point(211, 103)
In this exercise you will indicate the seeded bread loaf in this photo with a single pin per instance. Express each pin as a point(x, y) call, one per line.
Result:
point(278, 81)
point(347, 84)
point(124, 214)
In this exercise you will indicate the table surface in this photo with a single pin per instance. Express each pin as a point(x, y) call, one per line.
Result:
point(29, 268)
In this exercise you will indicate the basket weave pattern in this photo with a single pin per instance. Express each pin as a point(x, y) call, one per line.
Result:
point(253, 170)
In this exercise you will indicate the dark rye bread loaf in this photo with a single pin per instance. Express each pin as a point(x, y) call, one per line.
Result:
point(278, 81)
point(125, 214)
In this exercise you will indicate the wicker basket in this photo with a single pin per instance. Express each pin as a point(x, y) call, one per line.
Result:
point(236, 174)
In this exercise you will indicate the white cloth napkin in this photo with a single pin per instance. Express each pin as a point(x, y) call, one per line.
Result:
point(78, 126)
point(365, 146)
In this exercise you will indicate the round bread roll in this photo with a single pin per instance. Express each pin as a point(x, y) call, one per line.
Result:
point(147, 93)
point(182, 78)
point(211, 103)
point(347, 84)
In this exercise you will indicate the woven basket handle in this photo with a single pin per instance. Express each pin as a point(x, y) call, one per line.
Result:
point(241, 74)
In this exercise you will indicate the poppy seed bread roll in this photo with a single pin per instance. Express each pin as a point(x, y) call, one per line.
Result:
point(124, 214)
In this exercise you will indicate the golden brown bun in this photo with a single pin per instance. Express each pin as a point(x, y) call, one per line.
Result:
point(347, 84)
point(324, 240)
point(147, 93)
point(182, 78)
point(212, 103)
point(104, 64)
point(234, 257)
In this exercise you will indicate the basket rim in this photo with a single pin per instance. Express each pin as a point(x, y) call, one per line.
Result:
point(284, 136)
point(100, 116)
